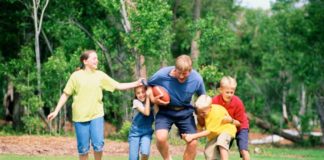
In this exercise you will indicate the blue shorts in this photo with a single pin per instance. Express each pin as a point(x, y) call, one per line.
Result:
point(90, 131)
point(242, 139)
point(184, 122)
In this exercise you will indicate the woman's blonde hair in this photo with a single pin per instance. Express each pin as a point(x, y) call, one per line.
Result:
point(203, 101)
point(183, 63)
point(228, 81)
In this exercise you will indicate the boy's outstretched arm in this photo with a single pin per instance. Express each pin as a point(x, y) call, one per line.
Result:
point(190, 137)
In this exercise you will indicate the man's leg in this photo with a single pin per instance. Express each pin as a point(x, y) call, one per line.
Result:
point(191, 150)
point(188, 125)
point(162, 143)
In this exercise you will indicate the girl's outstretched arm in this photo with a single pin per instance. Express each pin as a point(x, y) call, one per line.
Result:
point(64, 97)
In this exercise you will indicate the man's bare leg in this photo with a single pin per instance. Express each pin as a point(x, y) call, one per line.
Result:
point(162, 143)
point(191, 150)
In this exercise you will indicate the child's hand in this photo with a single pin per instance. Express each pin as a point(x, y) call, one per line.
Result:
point(148, 91)
point(187, 137)
point(228, 119)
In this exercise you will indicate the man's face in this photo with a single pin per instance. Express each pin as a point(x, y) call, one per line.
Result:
point(227, 93)
point(203, 112)
point(182, 75)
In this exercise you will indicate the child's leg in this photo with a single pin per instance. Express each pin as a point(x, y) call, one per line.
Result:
point(211, 151)
point(242, 138)
point(223, 153)
point(134, 143)
point(245, 154)
point(223, 142)
point(145, 146)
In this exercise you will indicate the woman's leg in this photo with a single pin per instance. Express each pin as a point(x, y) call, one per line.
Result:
point(97, 136)
point(83, 138)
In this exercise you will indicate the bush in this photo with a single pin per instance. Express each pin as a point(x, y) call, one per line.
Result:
point(122, 134)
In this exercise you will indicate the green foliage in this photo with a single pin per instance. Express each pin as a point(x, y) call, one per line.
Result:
point(150, 22)
point(211, 76)
point(33, 125)
point(122, 134)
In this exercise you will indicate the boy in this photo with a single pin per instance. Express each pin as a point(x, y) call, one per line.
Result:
point(236, 110)
point(218, 128)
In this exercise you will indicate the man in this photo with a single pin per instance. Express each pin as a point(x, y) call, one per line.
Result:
point(181, 82)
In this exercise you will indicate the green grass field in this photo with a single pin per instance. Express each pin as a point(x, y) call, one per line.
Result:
point(267, 153)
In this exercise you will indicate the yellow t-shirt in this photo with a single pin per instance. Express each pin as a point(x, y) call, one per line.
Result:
point(214, 124)
point(86, 88)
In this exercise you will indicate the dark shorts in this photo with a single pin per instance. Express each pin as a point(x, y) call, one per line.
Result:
point(242, 139)
point(184, 122)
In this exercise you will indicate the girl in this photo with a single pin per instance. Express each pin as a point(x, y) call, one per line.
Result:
point(141, 131)
point(86, 86)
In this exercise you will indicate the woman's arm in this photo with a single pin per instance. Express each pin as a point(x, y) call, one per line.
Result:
point(124, 86)
point(64, 97)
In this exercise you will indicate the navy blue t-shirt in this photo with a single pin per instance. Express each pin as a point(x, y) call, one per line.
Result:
point(180, 93)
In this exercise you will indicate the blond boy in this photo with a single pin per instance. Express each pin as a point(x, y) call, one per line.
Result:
point(235, 107)
point(219, 129)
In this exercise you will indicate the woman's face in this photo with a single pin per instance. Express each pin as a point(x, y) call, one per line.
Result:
point(140, 93)
point(92, 61)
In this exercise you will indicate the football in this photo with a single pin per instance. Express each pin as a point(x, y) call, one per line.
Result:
point(159, 90)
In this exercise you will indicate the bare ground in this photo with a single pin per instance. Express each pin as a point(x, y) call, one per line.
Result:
point(50, 145)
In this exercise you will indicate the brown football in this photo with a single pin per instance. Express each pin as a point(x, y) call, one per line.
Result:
point(159, 90)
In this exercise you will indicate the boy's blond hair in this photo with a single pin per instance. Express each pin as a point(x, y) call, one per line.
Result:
point(183, 63)
point(228, 81)
point(203, 101)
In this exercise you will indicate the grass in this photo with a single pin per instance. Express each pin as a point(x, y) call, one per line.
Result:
point(267, 153)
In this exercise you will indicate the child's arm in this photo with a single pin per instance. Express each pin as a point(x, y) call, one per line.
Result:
point(229, 119)
point(190, 137)
point(147, 108)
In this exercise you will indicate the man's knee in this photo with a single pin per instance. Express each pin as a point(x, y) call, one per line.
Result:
point(192, 145)
point(161, 136)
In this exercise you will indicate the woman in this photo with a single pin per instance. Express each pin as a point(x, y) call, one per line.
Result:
point(86, 86)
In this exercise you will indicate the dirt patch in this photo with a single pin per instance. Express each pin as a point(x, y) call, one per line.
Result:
point(50, 145)
point(41, 145)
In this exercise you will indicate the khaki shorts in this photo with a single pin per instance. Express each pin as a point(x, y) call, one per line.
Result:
point(211, 148)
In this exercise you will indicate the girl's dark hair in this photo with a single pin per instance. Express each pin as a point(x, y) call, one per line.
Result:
point(85, 56)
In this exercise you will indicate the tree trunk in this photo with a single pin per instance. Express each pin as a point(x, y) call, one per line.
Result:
point(268, 127)
point(194, 43)
point(320, 111)
point(284, 106)
point(38, 26)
